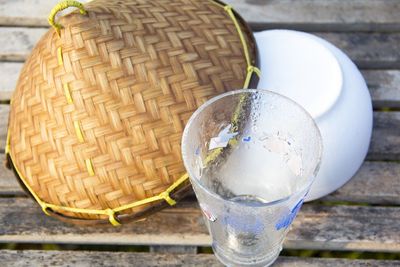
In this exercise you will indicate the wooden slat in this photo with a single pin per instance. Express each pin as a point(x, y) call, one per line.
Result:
point(317, 227)
point(384, 85)
point(331, 15)
point(9, 72)
point(368, 50)
point(375, 183)
point(385, 144)
point(336, 15)
point(8, 183)
point(173, 249)
point(4, 110)
point(25, 12)
point(15, 258)
point(16, 43)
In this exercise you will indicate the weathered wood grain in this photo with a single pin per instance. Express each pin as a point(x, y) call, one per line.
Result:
point(15, 258)
point(8, 183)
point(317, 227)
point(368, 50)
point(9, 72)
point(385, 143)
point(25, 12)
point(16, 43)
point(374, 183)
point(4, 110)
point(174, 249)
point(384, 87)
point(115, 259)
point(334, 15)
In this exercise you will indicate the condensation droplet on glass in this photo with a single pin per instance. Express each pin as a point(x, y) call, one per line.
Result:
point(263, 137)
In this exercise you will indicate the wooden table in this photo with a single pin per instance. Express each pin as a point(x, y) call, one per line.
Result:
point(364, 215)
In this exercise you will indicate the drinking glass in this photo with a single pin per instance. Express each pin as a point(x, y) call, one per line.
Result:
point(252, 156)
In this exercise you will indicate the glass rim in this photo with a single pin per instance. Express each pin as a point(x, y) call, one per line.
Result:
point(240, 91)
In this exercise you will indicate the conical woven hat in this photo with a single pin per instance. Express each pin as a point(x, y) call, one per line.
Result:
point(99, 109)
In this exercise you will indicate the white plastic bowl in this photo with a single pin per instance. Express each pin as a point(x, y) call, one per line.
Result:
point(329, 86)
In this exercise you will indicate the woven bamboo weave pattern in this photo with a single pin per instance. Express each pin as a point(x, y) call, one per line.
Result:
point(103, 128)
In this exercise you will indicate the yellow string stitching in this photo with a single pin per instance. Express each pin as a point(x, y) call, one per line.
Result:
point(61, 6)
point(111, 213)
point(60, 56)
point(67, 93)
point(78, 131)
point(111, 217)
point(89, 167)
point(250, 68)
point(162, 196)
point(217, 3)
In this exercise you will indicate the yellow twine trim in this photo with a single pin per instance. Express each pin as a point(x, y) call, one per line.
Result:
point(250, 68)
point(61, 6)
point(43, 205)
point(67, 93)
point(162, 196)
point(111, 213)
point(217, 3)
point(249, 73)
point(78, 131)
point(60, 56)
point(229, 10)
point(45, 209)
point(89, 167)
point(111, 217)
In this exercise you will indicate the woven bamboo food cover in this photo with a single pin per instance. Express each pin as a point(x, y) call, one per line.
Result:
point(98, 112)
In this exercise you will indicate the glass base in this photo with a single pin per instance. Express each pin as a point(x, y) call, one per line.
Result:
point(230, 262)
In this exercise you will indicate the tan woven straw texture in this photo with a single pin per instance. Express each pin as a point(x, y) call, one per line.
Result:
point(135, 71)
